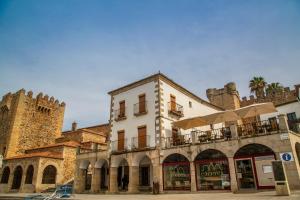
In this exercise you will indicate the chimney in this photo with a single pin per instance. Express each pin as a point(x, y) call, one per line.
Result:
point(74, 126)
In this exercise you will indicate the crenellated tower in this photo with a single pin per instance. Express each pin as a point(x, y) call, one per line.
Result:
point(27, 122)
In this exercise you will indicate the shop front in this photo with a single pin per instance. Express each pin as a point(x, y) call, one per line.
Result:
point(176, 173)
point(212, 171)
point(253, 165)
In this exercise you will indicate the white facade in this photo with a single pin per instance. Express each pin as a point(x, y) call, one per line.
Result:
point(284, 109)
point(131, 123)
point(192, 107)
point(157, 120)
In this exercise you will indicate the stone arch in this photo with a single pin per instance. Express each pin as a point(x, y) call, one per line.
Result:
point(100, 163)
point(297, 148)
point(29, 174)
point(145, 171)
point(17, 178)
point(84, 164)
point(254, 149)
point(138, 157)
point(176, 172)
point(5, 175)
point(123, 175)
point(101, 174)
point(212, 164)
point(181, 152)
point(49, 175)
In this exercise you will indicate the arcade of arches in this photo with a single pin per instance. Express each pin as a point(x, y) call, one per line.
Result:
point(248, 167)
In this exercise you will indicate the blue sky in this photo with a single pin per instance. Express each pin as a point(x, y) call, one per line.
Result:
point(77, 51)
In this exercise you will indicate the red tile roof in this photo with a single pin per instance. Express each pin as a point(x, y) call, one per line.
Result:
point(67, 144)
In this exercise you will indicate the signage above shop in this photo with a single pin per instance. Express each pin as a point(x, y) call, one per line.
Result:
point(286, 156)
point(284, 136)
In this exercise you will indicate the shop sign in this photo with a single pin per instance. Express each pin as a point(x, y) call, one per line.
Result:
point(178, 171)
point(286, 156)
point(211, 169)
point(284, 136)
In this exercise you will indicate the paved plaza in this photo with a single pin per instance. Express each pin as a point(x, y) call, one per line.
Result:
point(196, 196)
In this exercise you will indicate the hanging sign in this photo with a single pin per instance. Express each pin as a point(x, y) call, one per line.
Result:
point(286, 156)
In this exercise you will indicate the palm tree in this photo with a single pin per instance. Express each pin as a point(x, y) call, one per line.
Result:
point(257, 86)
point(273, 88)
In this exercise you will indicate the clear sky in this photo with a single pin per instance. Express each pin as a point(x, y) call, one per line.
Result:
point(77, 51)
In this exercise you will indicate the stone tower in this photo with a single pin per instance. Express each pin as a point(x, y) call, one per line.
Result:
point(27, 122)
point(227, 98)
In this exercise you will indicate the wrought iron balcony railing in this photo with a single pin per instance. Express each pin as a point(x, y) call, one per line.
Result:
point(141, 142)
point(140, 108)
point(175, 109)
point(176, 141)
point(258, 128)
point(119, 145)
point(120, 114)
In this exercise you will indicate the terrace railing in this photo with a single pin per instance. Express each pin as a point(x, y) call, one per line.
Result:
point(120, 114)
point(176, 141)
point(258, 128)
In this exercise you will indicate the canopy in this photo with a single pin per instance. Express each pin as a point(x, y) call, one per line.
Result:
point(190, 123)
point(220, 117)
point(255, 110)
point(215, 118)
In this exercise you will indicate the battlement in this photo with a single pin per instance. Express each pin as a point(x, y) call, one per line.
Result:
point(277, 97)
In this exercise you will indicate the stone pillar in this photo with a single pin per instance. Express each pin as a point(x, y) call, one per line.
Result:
point(193, 177)
point(96, 177)
point(193, 136)
point(283, 125)
point(133, 186)
point(233, 179)
point(233, 130)
point(113, 182)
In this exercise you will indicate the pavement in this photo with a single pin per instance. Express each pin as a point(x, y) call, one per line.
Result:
point(269, 195)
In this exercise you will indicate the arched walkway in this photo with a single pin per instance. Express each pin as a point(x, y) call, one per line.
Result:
point(176, 173)
point(5, 175)
point(212, 170)
point(88, 177)
point(123, 175)
point(253, 164)
point(29, 175)
point(101, 175)
point(49, 175)
point(145, 174)
point(17, 179)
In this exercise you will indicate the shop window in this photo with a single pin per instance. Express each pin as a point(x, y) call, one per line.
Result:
point(212, 170)
point(176, 169)
point(49, 175)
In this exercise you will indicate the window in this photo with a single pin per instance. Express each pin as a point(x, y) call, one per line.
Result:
point(142, 137)
point(122, 109)
point(121, 140)
point(142, 103)
point(29, 175)
point(190, 104)
point(5, 175)
point(291, 116)
point(49, 175)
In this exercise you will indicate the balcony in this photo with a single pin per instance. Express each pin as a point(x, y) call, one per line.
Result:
point(119, 145)
point(258, 128)
point(248, 130)
point(141, 142)
point(120, 115)
point(175, 109)
point(140, 108)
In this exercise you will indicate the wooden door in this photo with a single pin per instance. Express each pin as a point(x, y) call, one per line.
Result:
point(263, 166)
point(142, 103)
point(121, 140)
point(142, 137)
point(173, 102)
point(122, 109)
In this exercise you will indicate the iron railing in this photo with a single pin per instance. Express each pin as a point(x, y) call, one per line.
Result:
point(141, 142)
point(119, 145)
point(212, 135)
point(176, 141)
point(120, 114)
point(258, 128)
point(140, 108)
point(175, 108)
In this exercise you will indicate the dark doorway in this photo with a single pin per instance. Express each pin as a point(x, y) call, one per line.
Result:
point(123, 176)
point(17, 178)
point(145, 176)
